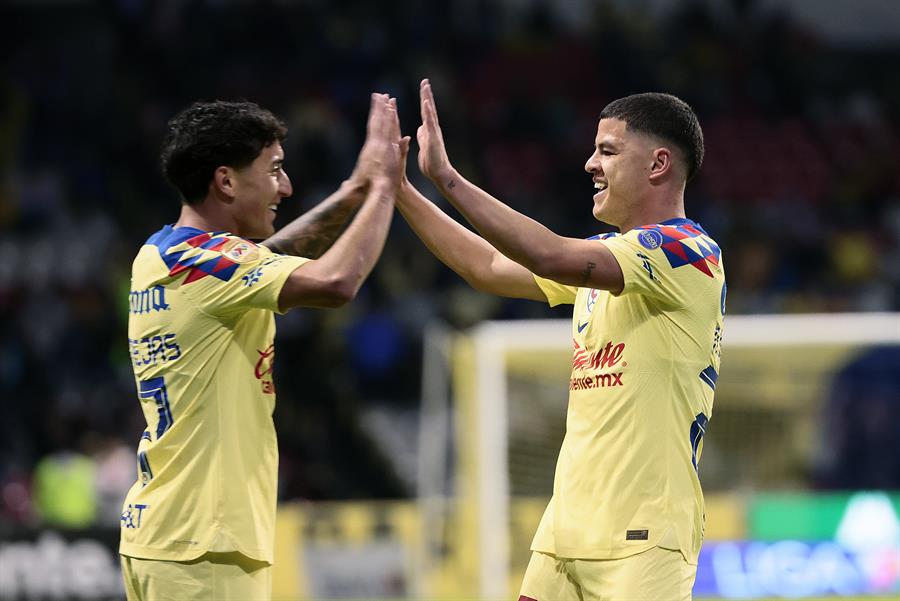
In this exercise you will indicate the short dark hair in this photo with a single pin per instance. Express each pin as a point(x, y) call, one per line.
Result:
point(664, 116)
point(207, 135)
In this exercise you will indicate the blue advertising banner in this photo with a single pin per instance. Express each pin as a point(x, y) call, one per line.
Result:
point(795, 569)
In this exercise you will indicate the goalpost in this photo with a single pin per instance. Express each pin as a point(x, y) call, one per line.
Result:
point(503, 426)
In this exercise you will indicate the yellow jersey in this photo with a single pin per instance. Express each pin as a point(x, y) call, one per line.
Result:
point(644, 372)
point(201, 336)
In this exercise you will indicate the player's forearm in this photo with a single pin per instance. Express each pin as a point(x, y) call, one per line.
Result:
point(350, 260)
point(455, 246)
point(313, 233)
point(517, 236)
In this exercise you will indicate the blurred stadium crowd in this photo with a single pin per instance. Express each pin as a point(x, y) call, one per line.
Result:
point(800, 188)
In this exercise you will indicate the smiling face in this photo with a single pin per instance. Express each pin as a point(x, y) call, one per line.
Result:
point(258, 189)
point(620, 168)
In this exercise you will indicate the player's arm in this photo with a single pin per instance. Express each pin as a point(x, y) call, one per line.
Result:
point(565, 260)
point(470, 256)
point(334, 279)
point(315, 231)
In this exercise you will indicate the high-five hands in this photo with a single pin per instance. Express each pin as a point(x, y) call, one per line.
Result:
point(383, 155)
point(433, 160)
point(380, 157)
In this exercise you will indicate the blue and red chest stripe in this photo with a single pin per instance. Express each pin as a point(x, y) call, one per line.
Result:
point(197, 264)
point(675, 236)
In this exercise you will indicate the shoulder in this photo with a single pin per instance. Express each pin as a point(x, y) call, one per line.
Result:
point(682, 242)
point(606, 236)
point(200, 254)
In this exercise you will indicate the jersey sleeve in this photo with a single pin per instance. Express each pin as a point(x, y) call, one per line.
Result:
point(664, 262)
point(227, 274)
point(556, 293)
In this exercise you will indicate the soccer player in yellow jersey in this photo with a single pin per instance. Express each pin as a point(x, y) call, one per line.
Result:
point(199, 522)
point(625, 521)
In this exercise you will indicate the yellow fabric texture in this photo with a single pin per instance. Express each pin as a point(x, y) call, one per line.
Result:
point(655, 575)
point(201, 335)
point(641, 392)
point(213, 576)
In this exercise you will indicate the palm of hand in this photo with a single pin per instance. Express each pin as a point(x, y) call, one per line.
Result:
point(432, 154)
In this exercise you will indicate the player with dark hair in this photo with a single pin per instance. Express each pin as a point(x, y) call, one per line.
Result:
point(200, 521)
point(626, 517)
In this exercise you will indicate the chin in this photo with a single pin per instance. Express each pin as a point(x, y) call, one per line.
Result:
point(600, 214)
point(263, 232)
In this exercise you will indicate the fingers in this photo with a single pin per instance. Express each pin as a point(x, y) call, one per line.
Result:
point(395, 120)
point(404, 149)
point(422, 97)
point(428, 107)
point(375, 108)
point(380, 118)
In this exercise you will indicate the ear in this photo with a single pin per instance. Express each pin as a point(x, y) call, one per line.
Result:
point(223, 182)
point(662, 164)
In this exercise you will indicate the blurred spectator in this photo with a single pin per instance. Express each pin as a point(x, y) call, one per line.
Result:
point(64, 490)
point(860, 448)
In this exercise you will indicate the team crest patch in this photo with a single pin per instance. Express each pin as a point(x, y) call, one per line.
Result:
point(240, 251)
point(650, 239)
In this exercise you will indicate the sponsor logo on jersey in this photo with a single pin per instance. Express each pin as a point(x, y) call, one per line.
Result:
point(147, 300)
point(131, 516)
point(263, 369)
point(608, 356)
point(596, 381)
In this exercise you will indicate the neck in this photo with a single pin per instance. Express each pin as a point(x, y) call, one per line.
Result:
point(200, 216)
point(664, 204)
point(651, 217)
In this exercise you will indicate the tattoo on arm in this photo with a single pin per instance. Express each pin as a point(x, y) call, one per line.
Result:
point(451, 184)
point(587, 271)
point(311, 234)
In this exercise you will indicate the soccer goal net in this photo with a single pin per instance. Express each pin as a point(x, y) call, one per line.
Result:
point(494, 417)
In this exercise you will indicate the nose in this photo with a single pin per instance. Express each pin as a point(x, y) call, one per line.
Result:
point(285, 188)
point(592, 165)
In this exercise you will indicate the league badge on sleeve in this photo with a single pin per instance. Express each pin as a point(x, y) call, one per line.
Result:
point(650, 239)
point(240, 251)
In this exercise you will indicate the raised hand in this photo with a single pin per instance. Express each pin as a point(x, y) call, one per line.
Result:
point(433, 160)
point(381, 155)
point(395, 159)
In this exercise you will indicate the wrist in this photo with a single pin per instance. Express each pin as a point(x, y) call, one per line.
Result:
point(383, 187)
point(355, 187)
point(446, 179)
